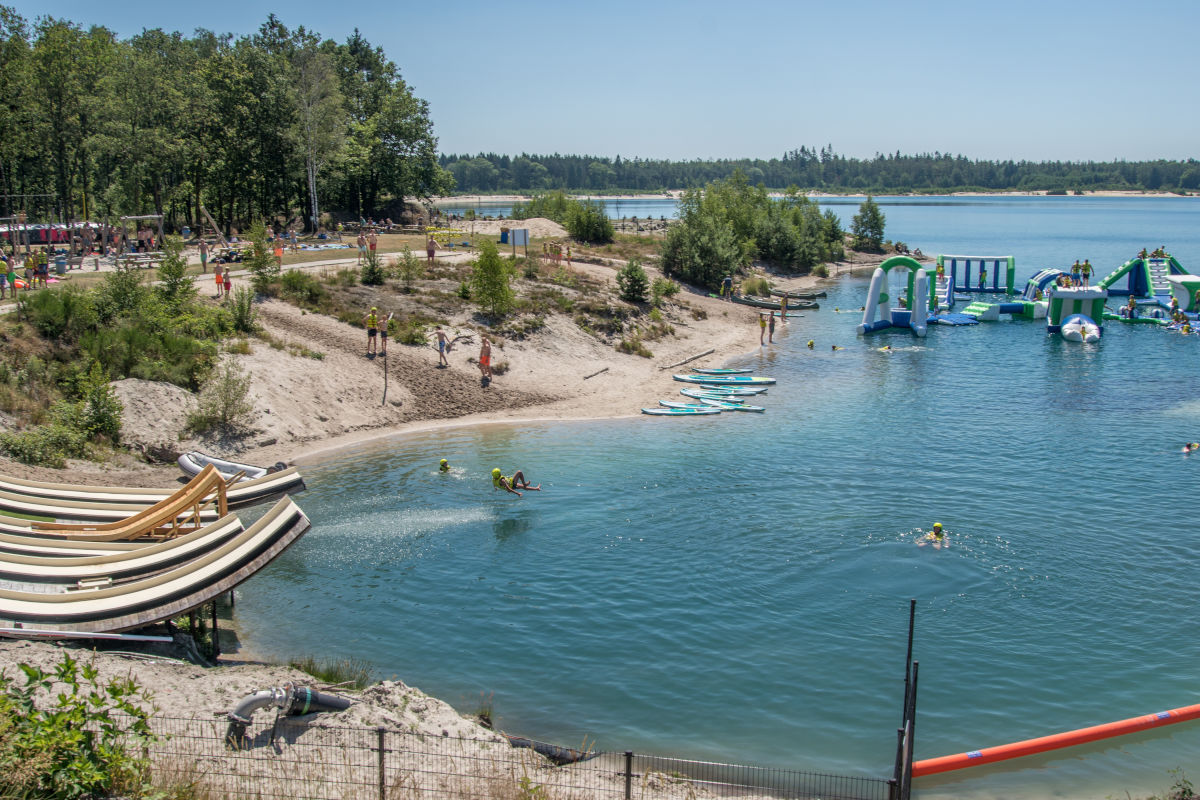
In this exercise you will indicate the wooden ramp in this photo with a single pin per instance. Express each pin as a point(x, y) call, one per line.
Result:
point(163, 596)
point(175, 515)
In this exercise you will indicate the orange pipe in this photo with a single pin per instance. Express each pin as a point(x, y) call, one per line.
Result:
point(989, 755)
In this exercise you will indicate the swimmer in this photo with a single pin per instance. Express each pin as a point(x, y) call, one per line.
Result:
point(835, 347)
point(810, 344)
point(443, 466)
point(937, 537)
point(1186, 329)
point(517, 481)
point(1191, 446)
point(887, 348)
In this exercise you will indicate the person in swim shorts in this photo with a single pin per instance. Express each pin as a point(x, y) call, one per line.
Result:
point(443, 345)
point(485, 358)
point(517, 481)
point(383, 334)
point(228, 284)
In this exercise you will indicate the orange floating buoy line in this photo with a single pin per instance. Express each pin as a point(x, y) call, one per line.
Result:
point(1042, 744)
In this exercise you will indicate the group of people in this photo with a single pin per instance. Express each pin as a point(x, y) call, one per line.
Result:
point(377, 333)
point(1159, 252)
point(553, 251)
point(502, 481)
point(1081, 274)
point(367, 243)
point(766, 327)
point(33, 268)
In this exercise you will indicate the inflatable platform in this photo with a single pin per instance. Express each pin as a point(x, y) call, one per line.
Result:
point(913, 293)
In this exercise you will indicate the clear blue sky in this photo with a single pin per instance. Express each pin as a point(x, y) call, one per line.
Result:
point(754, 78)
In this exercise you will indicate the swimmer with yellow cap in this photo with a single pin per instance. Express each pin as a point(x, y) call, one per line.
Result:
point(937, 537)
point(517, 481)
point(810, 344)
point(443, 466)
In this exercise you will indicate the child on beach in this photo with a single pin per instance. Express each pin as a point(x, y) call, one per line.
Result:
point(228, 285)
point(517, 481)
point(762, 328)
point(383, 333)
point(771, 329)
point(485, 360)
point(443, 345)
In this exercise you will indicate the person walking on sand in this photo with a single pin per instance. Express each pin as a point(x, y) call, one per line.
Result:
point(771, 329)
point(443, 345)
point(361, 241)
point(430, 249)
point(383, 334)
point(783, 308)
point(517, 481)
point(727, 287)
point(228, 283)
point(371, 319)
point(762, 329)
point(279, 253)
point(372, 241)
point(217, 270)
point(203, 257)
point(485, 359)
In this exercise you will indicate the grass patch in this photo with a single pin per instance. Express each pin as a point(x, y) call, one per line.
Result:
point(354, 673)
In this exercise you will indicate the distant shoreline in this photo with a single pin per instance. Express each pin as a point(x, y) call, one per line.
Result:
point(675, 194)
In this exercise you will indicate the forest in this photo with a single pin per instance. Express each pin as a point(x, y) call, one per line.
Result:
point(811, 169)
point(254, 127)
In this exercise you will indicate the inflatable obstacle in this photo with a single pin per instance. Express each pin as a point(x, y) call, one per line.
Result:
point(957, 274)
point(911, 311)
point(1078, 308)
point(1144, 278)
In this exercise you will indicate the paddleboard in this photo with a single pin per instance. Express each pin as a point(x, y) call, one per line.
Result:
point(721, 371)
point(700, 394)
point(737, 391)
point(680, 412)
point(724, 406)
point(726, 380)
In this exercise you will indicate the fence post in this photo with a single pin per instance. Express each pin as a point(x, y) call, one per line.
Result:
point(380, 733)
point(628, 774)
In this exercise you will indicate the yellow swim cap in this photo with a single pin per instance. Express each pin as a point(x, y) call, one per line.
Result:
point(937, 526)
point(443, 461)
point(496, 473)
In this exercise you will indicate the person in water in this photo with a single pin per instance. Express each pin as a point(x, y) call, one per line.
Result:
point(1191, 447)
point(443, 466)
point(810, 344)
point(937, 537)
point(517, 481)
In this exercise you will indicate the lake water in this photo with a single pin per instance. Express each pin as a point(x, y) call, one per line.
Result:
point(736, 587)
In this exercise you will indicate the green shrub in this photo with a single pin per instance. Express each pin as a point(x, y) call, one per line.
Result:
point(756, 285)
point(409, 268)
point(464, 290)
point(662, 288)
point(491, 281)
point(821, 271)
point(99, 411)
point(372, 270)
point(224, 402)
point(588, 222)
point(44, 445)
point(78, 747)
point(301, 287)
point(633, 345)
point(411, 332)
point(174, 284)
point(243, 311)
point(632, 281)
point(261, 263)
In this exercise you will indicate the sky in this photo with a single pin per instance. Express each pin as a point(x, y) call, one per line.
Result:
point(1017, 79)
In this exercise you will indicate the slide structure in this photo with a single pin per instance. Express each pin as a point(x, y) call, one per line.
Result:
point(913, 313)
point(1144, 278)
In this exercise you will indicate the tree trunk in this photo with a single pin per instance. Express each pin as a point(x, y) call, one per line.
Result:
point(312, 192)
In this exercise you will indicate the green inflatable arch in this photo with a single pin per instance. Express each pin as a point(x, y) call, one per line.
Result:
point(904, 262)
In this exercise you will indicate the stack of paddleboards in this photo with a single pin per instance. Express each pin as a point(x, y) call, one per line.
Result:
point(714, 391)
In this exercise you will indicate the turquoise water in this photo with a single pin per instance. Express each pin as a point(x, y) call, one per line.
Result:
point(736, 587)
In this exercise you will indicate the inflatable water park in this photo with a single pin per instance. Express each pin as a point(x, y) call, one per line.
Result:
point(904, 293)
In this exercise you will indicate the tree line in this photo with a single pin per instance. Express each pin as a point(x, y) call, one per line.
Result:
point(819, 170)
point(251, 127)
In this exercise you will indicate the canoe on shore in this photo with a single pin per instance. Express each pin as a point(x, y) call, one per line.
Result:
point(772, 304)
point(797, 295)
point(726, 380)
point(680, 412)
point(725, 371)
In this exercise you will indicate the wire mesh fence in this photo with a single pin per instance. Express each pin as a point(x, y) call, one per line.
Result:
point(307, 759)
